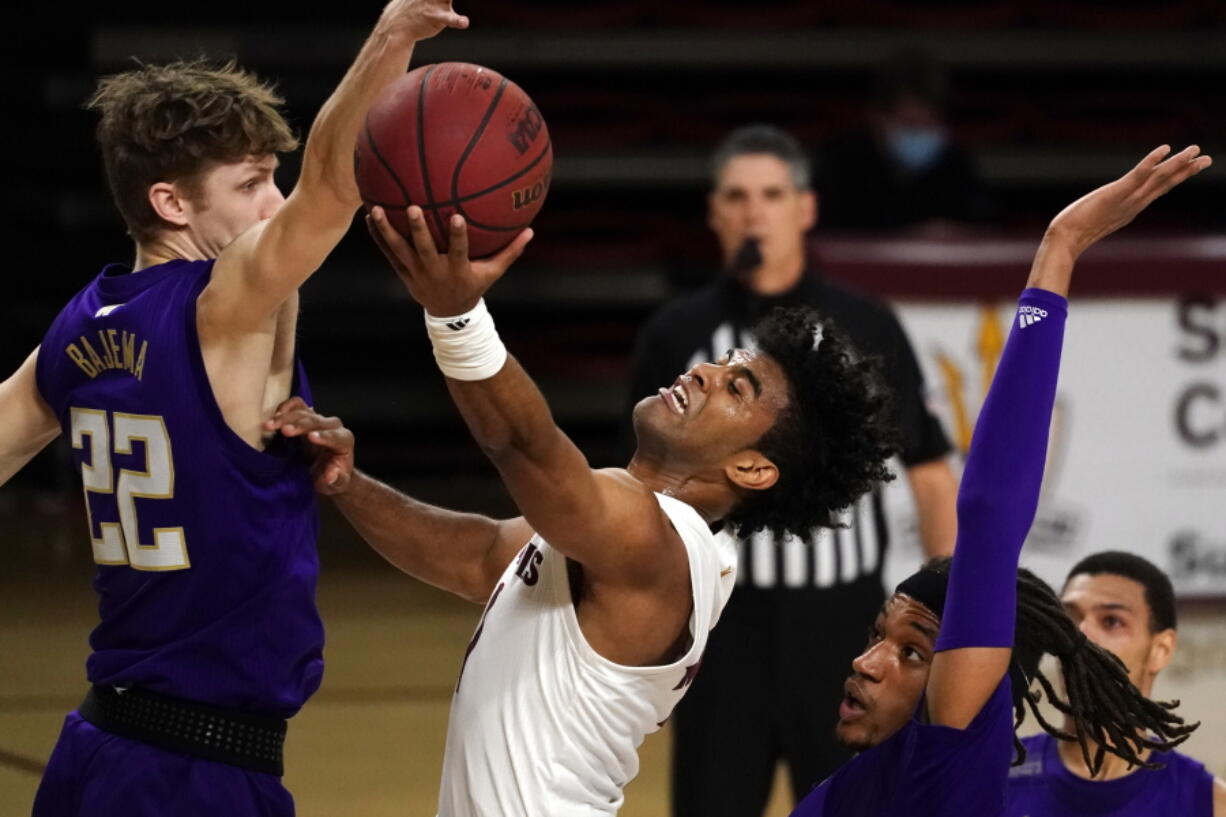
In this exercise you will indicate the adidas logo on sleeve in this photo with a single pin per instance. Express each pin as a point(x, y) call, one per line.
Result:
point(1029, 315)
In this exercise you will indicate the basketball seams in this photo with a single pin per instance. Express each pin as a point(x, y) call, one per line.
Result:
point(457, 200)
point(495, 188)
point(421, 150)
point(515, 227)
point(472, 143)
point(415, 168)
point(510, 179)
point(374, 148)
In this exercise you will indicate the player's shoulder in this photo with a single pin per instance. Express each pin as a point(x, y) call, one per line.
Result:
point(1188, 782)
point(1183, 765)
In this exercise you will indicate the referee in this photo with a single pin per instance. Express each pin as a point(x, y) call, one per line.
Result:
point(774, 669)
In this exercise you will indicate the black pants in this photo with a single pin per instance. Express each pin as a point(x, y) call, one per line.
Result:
point(769, 688)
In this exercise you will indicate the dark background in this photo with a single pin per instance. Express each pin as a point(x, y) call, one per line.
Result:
point(1052, 97)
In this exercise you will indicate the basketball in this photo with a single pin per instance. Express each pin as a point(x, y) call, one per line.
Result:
point(456, 138)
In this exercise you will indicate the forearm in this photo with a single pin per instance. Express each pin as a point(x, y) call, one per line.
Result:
point(935, 490)
point(440, 547)
point(506, 414)
point(327, 162)
point(548, 477)
point(999, 492)
point(1052, 268)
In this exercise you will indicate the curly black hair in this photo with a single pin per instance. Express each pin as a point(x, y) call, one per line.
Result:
point(1099, 697)
point(832, 442)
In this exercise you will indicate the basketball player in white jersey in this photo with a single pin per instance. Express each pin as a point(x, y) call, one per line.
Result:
point(600, 597)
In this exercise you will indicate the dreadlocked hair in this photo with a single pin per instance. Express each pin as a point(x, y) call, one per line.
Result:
point(832, 442)
point(1100, 699)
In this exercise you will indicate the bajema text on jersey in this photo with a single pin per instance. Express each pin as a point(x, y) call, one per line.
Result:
point(118, 351)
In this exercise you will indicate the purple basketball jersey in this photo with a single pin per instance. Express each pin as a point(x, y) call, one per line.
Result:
point(205, 546)
point(924, 770)
point(1043, 787)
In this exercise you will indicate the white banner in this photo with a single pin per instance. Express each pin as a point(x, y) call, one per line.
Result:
point(1137, 459)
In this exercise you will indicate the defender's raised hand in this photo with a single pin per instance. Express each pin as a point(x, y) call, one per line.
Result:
point(420, 19)
point(330, 442)
point(1101, 212)
point(445, 285)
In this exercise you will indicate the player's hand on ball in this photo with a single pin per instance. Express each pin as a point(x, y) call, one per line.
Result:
point(445, 284)
point(1101, 212)
point(420, 19)
point(331, 444)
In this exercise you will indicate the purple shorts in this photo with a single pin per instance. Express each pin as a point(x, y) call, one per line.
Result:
point(96, 774)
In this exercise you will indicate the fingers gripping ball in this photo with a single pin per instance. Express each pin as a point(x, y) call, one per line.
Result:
point(456, 138)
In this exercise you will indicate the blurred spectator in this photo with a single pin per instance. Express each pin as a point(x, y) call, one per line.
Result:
point(774, 669)
point(903, 169)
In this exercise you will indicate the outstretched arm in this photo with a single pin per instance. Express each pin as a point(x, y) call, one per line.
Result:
point(265, 265)
point(462, 553)
point(606, 520)
point(27, 423)
point(1000, 486)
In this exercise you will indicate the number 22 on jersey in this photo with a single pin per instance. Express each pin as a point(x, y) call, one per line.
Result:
point(119, 542)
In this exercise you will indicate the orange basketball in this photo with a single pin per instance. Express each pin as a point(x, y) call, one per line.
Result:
point(456, 138)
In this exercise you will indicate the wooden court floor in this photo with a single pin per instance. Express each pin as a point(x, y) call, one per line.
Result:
point(370, 742)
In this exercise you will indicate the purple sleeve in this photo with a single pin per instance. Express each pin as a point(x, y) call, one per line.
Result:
point(1004, 471)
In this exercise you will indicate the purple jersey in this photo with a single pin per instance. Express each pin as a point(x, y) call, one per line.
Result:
point(1043, 787)
point(206, 546)
point(925, 770)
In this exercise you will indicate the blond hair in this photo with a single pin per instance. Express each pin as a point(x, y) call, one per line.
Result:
point(173, 122)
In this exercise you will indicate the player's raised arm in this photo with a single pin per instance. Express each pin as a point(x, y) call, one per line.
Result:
point(256, 273)
point(27, 423)
point(576, 509)
point(1000, 486)
point(462, 553)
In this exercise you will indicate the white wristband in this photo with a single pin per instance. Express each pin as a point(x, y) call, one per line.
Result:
point(467, 347)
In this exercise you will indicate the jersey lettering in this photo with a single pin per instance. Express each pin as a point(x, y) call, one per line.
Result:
point(529, 562)
point(119, 542)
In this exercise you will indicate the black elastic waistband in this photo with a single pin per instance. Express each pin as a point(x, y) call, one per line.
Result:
point(240, 739)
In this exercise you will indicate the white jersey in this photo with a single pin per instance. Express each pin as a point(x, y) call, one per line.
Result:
point(541, 724)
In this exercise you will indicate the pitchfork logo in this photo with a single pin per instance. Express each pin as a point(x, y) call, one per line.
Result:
point(1059, 525)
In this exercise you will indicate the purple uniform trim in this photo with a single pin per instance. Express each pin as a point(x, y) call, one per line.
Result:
point(96, 774)
point(1043, 787)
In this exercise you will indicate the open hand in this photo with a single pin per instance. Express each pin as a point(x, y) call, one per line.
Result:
point(420, 19)
point(331, 444)
point(446, 285)
point(1101, 212)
